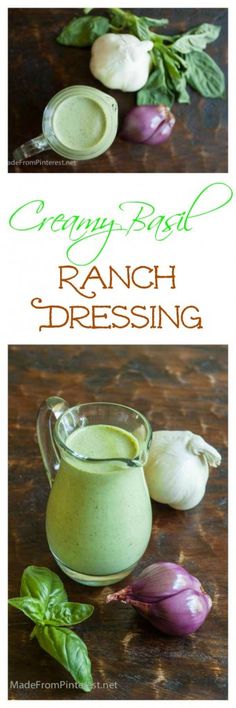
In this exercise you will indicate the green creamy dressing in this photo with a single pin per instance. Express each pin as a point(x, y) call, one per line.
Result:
point(99, 513)
point(79, 122)
point(103, 442)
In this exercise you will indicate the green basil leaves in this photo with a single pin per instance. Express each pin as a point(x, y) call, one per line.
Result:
point(42, 584)
point(82, 31)
point(44, 600)
point(31, 607)
point(68, 613)
point(177, 60)
point(69, 650)
point(180, 64)
point(156, 90)
point(197, 38)
point(204, 75)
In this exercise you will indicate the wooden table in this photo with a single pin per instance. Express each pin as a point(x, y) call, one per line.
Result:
point(176, 387)
point(39, 68)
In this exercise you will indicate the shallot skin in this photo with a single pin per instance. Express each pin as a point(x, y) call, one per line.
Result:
point(149, 125)
point(164, 579)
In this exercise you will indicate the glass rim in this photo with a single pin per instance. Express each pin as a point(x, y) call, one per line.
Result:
point(131, 462)
point(104, 101)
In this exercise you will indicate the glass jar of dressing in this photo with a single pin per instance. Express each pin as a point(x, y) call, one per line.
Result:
point(79, 123)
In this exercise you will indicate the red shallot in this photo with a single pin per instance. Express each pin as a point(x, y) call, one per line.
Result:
point(150, 125)
point(169, 597)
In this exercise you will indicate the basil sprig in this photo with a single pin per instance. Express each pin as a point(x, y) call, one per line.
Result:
point(43, 598)
point(178, 61)
point(82, 31)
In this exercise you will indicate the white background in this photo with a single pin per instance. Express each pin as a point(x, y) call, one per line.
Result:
point(204, 259)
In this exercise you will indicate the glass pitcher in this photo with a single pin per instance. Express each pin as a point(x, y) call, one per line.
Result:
point(98, 518)
point(79, 123)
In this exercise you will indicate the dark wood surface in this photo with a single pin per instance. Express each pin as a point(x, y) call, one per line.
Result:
point(180, 387)
point(39, 68)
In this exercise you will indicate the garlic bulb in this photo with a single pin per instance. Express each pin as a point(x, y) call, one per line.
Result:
point(121, 61)
point(177, 469)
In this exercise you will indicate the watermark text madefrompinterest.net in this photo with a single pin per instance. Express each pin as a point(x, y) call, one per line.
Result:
point(48, 685)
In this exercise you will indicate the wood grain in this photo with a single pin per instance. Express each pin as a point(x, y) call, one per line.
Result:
point(39, 68)
point(176, 387)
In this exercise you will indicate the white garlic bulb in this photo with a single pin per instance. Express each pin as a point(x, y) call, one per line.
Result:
point(177, 469)
point(121, 61)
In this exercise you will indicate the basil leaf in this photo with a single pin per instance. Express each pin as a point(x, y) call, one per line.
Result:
point(158, 76)
point(117, 17)
point(204, 75)
point(178, 84)
point(152, 22)
point(69, 650)
point(140, 28)
point(43, 585)
point(30, 606)
point(68, 613)
point(171, 64)
point(156, 90)
point(197, 38)
point(154, 97)
point(181, 90)
point(82, 31)
point(211, 32)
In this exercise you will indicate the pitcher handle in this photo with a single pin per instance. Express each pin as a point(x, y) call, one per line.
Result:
point(32, 147)
point(48, 413)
